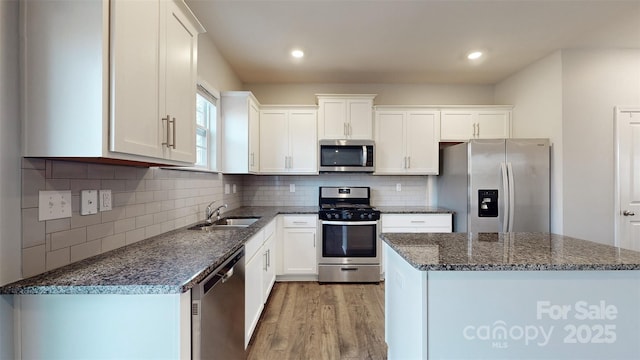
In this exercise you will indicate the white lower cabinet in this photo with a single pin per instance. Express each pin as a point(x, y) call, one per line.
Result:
point(259, 276)
point(298, 245)
point(415, 223)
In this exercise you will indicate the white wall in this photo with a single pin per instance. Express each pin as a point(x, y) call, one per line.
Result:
point(536, 93)
point(213, 68)
point(594, 81)
point(388, 94)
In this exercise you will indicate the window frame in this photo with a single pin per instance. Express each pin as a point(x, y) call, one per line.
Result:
point(213, 138)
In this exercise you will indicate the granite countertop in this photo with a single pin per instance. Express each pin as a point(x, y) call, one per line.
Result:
point(413, 210)
point(507, 251)
point(169, 263)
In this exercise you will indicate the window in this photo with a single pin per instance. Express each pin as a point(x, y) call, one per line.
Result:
point(206, 128)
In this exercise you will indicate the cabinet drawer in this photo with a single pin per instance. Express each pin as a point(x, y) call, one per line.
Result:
point(416, 221)
point(299, 221)
point(252, 246)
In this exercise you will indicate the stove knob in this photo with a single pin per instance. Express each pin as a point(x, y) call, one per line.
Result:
point(328, 216)
point(336, 216)
point(370, 216)
point(349, 215)
point(362, 216)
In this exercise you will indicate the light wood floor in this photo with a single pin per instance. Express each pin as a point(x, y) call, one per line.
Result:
point(306, 320)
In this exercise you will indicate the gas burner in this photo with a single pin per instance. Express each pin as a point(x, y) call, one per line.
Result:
point(346, 204)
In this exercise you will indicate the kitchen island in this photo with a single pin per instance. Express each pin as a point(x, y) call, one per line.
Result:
point(509, 296)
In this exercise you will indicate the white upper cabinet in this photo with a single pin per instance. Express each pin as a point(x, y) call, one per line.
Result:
point(465, 124)
point(407, 141)
point(101, 83)
point(153, 43)
point(240, 112)
point(288, 140)
point(345, 116)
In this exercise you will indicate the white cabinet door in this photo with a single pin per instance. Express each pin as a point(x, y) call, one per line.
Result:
point(253, 294)
point(493, 124)
point(422, 134)
point(136, 124)
point(240, 117)
point(274, 141)
point(254, 137)
point(332, 120)
point(461, 125)
point(407, 142)
point(288, 141)
point(303, 142)
point(345, 116)
point(390, 148)
point(154, 69)
point(179, 41)
point(299, 251)
point(457, 125)
point(360, 119)
point(269, 270)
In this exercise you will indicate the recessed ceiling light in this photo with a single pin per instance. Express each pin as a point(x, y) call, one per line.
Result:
point(474, 55)
point(297, 53)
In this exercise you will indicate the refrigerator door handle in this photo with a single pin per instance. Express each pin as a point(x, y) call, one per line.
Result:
point(505, 193)
point(512, 197)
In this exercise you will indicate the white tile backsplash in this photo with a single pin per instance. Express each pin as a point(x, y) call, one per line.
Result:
point(152, 201)
point(146, 202)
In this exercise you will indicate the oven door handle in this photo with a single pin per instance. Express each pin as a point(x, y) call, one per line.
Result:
point(325, 222)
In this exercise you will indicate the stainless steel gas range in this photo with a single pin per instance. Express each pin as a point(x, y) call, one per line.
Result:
point(349, 248)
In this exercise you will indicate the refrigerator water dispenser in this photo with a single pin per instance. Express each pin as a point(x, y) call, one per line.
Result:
point(487, 203)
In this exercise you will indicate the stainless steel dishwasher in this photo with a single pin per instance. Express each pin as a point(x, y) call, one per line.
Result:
point(217, 312)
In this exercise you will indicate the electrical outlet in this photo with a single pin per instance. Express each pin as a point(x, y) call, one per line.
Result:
point(54, 205)
point(88, 202)
point(105, 200)
point(234, 188)
point(227, 189)
point(398, 187)
point(292, 187)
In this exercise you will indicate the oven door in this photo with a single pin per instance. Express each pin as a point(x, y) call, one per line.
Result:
point(349, 242)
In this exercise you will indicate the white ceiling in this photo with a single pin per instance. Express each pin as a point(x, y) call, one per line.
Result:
point(398, 41)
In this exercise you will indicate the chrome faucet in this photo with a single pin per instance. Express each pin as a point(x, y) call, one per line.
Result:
point(211, 211)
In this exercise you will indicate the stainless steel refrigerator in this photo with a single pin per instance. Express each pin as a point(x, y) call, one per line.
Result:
point(496, 185)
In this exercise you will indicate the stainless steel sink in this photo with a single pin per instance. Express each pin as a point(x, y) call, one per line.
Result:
point(226, 222)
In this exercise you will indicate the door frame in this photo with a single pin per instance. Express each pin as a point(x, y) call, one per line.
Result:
point(616, 182)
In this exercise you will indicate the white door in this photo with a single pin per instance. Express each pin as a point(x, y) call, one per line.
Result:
point(299, 253)
point(628, 178)
point(493, 124)
point(254, 137)
point(457, 125)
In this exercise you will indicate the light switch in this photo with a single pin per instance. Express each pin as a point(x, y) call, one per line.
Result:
point(88, 202)
point(292, 188)
point(227, 189)
point(54, 205)
point(398, 187)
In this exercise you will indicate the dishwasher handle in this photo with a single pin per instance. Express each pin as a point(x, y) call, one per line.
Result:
point(222, 273)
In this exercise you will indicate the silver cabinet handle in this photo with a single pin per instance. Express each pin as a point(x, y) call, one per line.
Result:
point(173, 127)
point(166, 119)
point(628, 213)
point(314, 240)
point(478, 127)
point(266, 261)
point(408, 162)
point(350, 129)
point(344, 129)
point(474, 129)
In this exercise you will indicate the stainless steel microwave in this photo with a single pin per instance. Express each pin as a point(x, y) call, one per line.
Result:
point(346, 156)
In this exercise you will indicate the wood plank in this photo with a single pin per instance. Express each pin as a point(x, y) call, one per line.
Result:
point(306, 320)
